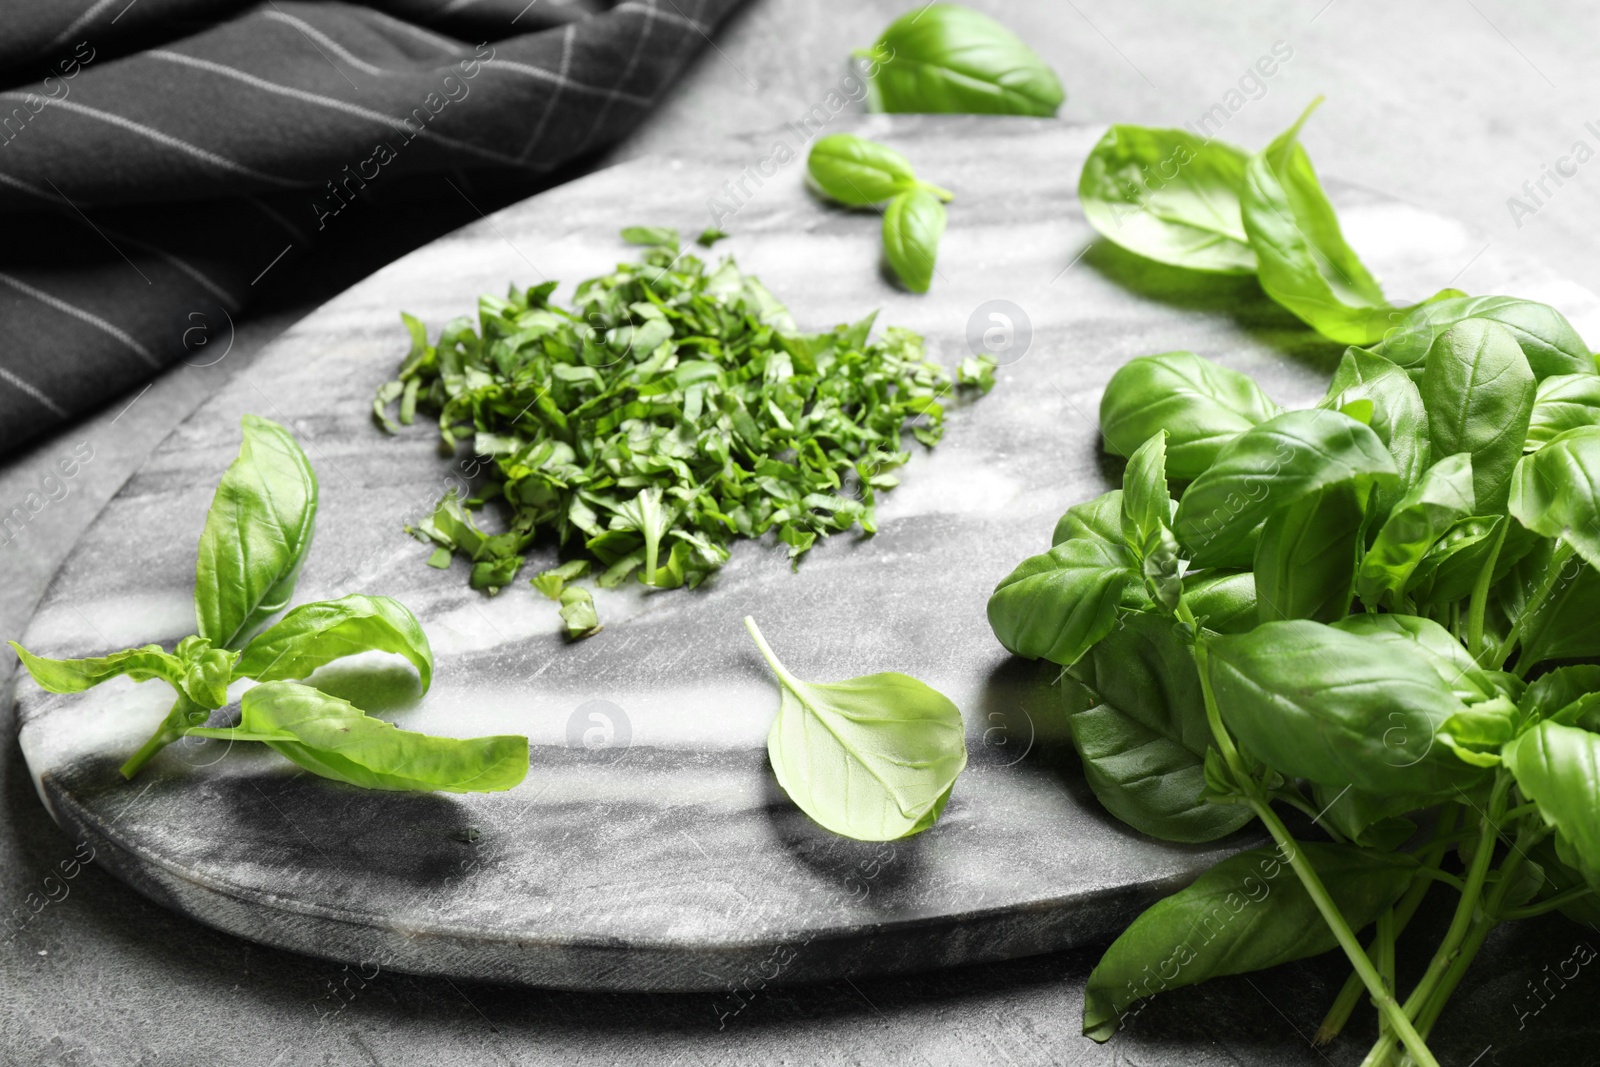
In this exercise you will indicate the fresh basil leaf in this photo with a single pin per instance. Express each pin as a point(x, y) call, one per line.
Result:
point(1477, 732)
point(1421, 518)
point(330, 737)
point(1056, 605)
point(1305, 562)
point(709, 237)
point(873, 758)
point(1202, 405)
point(1563, 402)
point(1427, 641)
point(1558, 768)
point(314, 635)
point(1567, 695)
point(949, 58)
point(578, 613)
point(1479, 393)
point(1099, 519)
point(1450, 569)
point(651, 236)
point(1143, 743)
point(76, 675)
point(1317, 702)
point(1169, 196)
point(1269, 467)
point(1222, 601)
point(256, 534)
point(1568, 627)
point(1548, 341)
point(206, 671)
point(1367, 819)
point(1146, 503)
point(1556, 491)
point(912, 225)
point(1398, 416)
point(1247, 913)
point(858, 172)
point(553, 581)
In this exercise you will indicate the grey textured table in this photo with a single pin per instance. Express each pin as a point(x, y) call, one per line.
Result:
point(1453, 105)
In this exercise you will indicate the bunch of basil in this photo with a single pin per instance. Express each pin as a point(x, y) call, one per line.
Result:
point(1379, 612)
point(256, 536)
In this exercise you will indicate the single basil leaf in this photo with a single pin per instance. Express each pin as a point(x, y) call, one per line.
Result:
point(871, 758)
point(1558, 768)
point(1568, 627)
point(1247, 913)
point(1479, 394)
point(1398, 416)
point(578, 613)
point(1306, 559)
point(1367, 819)
point(1269, 467)
point(1418, 521)
point(206, 671)
point(1099, 519)
point(912, 225)
point(1202, 405)
point(1169, 196)
point(1563, 402)
point(1144, 742)
point(1477, 733)
point(948, 58)
point(1056, 605)
point(1568, 695)
point(256, 535)
point(76, 675)
point(1146, 503)
point(858, 172)
point(316, 634)
point(1222, 601)
point(1556, 491)
point(1548, 341)
point(1426, 640)
point(651, 236)
point(1450, 569)
point(553, 581)
point(709, 237)
point(1317, 702)
point(330, 737)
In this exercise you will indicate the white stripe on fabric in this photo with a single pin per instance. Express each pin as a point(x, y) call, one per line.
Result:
point(544, 75)
point(78, 313)
point(79, 23)
point(33, 391)
point(567, 37)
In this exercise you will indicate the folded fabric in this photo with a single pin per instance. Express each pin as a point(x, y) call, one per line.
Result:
point(161, 159)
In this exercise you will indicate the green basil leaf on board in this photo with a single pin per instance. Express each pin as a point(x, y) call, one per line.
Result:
point(1562, 402)
point(1548, 341)
point(314, 635)
point(1201, 405)
point(256, 535)
point(1247, 913)
point(1556, 491)
point(330, 737)
point(553, 581)
point(1418, 522)
point(578, 613)
point(1169, 196)
point(1144, 741)
point(1316, 702)
point(912, 225)
point(1056, 605)
point(76, 675)
point(949, 58)
point(1558, 768)
point(859, 172)
point(1398, 416)
point(651, 236)
point(1305, 561)
point(872, 758)
point(1479, 393)
point(1269, 467)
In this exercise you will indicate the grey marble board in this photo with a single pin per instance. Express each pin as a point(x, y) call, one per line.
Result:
point(649, 847)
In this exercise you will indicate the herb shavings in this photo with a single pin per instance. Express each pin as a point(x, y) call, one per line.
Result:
point(673, 407)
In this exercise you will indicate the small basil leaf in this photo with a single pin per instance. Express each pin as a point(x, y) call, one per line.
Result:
point(872, 758)
point(1144, 743)
point(1558, 768)
point(1568, 695)
point(1202, 405)
point(912, 225)
point(1479, 394)
point(1222, 601)
point(1421, 518)
point(1450, 569)
point(256, 534)
point(1055, 606)
point(1476, 733)
point(1398, 416)
point(1337, 708)
point(76, 675)
point(1563, 402)
point(858, 172)
point(1247, 913)
point(316, 634)
point(1146, 503)
point(553, 581)
point(1556, 491)
point(206, 671)
point(1548, 341)
point(651, 236)
point(1269, 467)
point(578, 613)
point(1306, 559)
point(1169, 196)
point(330, 737)
point(948, 58)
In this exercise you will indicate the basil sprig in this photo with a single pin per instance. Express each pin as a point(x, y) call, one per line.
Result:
point(256, 537)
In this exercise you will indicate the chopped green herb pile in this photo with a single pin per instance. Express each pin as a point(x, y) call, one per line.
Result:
point(672, 408)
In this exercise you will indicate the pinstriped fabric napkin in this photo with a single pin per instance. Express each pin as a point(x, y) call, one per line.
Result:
point(159, 159)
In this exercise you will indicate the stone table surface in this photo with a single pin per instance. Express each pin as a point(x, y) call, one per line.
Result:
point(1449, 105)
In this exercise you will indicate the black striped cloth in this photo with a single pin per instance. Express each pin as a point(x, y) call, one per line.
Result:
point(160, 160)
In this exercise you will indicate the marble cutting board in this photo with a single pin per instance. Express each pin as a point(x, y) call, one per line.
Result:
point(649, 847)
